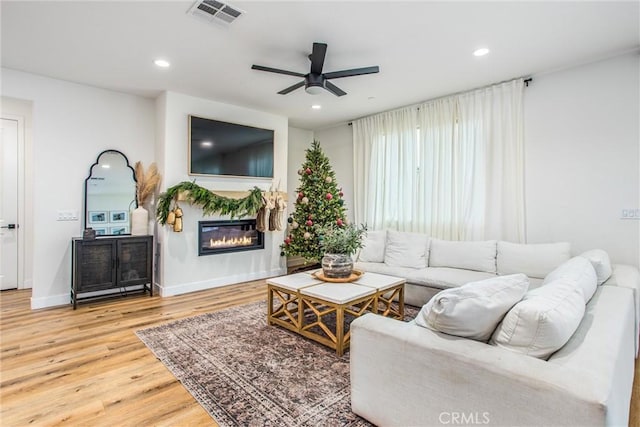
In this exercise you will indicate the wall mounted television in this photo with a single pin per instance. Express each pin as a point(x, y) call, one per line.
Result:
point(229, 149)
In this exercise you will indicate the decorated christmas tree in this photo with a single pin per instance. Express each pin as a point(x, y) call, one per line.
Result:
point(318, 204)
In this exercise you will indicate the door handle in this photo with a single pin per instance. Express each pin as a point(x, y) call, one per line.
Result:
point(10, 226)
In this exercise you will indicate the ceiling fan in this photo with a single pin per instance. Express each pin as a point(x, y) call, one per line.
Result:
point(316, 80)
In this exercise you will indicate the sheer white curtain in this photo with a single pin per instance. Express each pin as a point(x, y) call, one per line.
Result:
point(493, 117)
point(387, 150)
point(452, 168)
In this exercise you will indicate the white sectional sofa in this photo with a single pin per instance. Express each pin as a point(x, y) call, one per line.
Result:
point(404, 374)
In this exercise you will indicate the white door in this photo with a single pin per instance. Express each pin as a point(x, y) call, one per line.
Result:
point(9, 204)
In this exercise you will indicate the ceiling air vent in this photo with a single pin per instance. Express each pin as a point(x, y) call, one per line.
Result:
point(215, 11)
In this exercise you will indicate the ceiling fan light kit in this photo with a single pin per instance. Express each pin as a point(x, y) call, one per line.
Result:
point(316, 81)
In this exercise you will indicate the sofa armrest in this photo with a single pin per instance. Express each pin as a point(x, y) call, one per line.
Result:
point(403, 374)
point(628, 276)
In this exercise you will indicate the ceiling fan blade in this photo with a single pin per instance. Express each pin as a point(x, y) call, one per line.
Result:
point(276, 70)
point(354, 72)
point(291, 88)
point(317, 57)
point(334, 89)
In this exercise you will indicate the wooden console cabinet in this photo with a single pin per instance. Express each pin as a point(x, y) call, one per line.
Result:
point(108, 266)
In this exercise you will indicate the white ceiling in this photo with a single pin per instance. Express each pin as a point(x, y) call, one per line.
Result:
point(423, 48)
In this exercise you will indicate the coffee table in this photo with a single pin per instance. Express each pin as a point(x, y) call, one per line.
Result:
point(317, 309)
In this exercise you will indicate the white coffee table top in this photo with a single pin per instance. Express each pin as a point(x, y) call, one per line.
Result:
point(378, 281)
point(294, 282)
point(338, 293)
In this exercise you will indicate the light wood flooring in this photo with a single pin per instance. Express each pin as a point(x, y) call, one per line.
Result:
point(87, 367)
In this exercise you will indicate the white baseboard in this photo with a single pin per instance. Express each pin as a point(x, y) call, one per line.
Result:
point(50, 301)
point(183, 288)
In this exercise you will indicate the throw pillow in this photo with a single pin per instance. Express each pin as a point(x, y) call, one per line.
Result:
point(406, 249)
point(534, 260)
point(543, 321)
point(601, 263)
point(469, 255)
point(373, 246)
point(578, 269)
point(475, 309)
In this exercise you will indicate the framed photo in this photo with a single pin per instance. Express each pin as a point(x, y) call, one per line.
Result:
point(100, 231)
point(119, 216)
point(98, 217)
point(122, 229)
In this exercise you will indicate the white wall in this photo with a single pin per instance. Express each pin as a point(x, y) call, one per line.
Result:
point(582, 164)
point(72, 124)
point(582, 157)
point(337, 144)
point(299, 141)
point(182, 270)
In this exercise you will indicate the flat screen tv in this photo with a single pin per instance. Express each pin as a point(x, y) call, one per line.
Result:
point(221, 148)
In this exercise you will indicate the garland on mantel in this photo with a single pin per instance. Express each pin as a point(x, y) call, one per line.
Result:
point(209, 202)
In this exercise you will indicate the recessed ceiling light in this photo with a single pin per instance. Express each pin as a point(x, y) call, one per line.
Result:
point(206, 144)
point(480, 52)
point(162, 63)
point(316, 106)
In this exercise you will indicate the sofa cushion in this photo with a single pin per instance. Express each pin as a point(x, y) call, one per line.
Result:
point(601, 263)
point(373, 246)
point(470, 255)
point(534, 260)
point(382, 268)
point(406, 249)
point(475, 309)
point(578, 269)
point(543, 321)
point(444, 277)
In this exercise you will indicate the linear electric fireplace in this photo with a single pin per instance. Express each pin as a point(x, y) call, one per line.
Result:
point(216, 237)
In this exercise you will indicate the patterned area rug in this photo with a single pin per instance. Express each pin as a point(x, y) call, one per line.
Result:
point(244, 372)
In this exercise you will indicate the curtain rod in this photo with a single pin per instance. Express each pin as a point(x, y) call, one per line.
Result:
point(526, 82)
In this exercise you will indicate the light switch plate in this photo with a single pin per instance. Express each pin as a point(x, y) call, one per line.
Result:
point(630, 214)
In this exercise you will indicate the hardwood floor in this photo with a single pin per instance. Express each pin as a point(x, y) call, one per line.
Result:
point(87, 367)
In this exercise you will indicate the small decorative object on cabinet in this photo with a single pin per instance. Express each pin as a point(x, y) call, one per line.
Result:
point(111, 266)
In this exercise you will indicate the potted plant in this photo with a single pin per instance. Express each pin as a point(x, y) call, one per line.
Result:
point(338, 244)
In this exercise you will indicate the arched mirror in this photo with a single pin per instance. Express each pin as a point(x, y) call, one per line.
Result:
point(109, 194)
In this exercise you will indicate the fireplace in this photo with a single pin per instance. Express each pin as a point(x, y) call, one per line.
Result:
point(217, 237)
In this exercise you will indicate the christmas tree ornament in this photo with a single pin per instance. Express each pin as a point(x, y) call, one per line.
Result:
point(309, 216)
point(307, 235)
point(300, 195)
point(287, 240)
point(339, 222)
point(305, 200)
point(309, 171)
point(290, 220)
point(294, 225)
point(341, 202)
point(282, 253)
point(328, 180)
point(309, 223)
point(300, 171)
point(341, 193)
point(329, 196)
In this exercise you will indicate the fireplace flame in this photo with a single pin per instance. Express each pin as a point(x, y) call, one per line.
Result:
point(229, 243)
